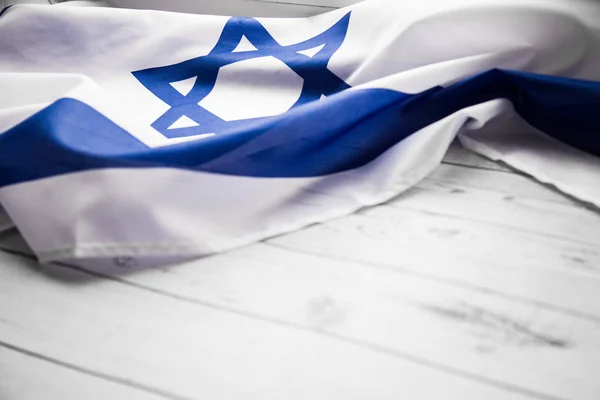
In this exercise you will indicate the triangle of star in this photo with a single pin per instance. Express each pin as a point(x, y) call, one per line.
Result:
point(312, 51)
point(185, 86)
point(244, 45)
point(183, 122)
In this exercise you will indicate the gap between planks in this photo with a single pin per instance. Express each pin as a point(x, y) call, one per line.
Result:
point(61, 381)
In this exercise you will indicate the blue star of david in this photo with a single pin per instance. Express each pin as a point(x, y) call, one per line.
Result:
point(318, 79)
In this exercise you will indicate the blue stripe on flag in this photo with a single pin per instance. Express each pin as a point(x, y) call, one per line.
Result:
point(343, 132)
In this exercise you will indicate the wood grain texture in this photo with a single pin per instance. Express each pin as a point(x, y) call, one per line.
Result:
point(189, 350)
point(446, 326)
point(24, 377)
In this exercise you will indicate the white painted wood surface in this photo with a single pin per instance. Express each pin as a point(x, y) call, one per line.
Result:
point(26, 377)
point(477, 284)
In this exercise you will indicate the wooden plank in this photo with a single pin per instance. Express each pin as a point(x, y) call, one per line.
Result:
point(23, 377)
point(549, 272)
point(190, 350)
point(509, 342)
point(498, 199)
point(500, 338)
point(519, 264)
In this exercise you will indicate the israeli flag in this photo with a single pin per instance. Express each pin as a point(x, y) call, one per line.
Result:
point(157, 137)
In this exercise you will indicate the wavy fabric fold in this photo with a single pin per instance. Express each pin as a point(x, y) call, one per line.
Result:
point(154, 137)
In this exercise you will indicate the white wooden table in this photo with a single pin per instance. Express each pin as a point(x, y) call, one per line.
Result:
point(477, 284)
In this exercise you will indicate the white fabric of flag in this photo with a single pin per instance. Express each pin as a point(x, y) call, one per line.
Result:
point(158, 137)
